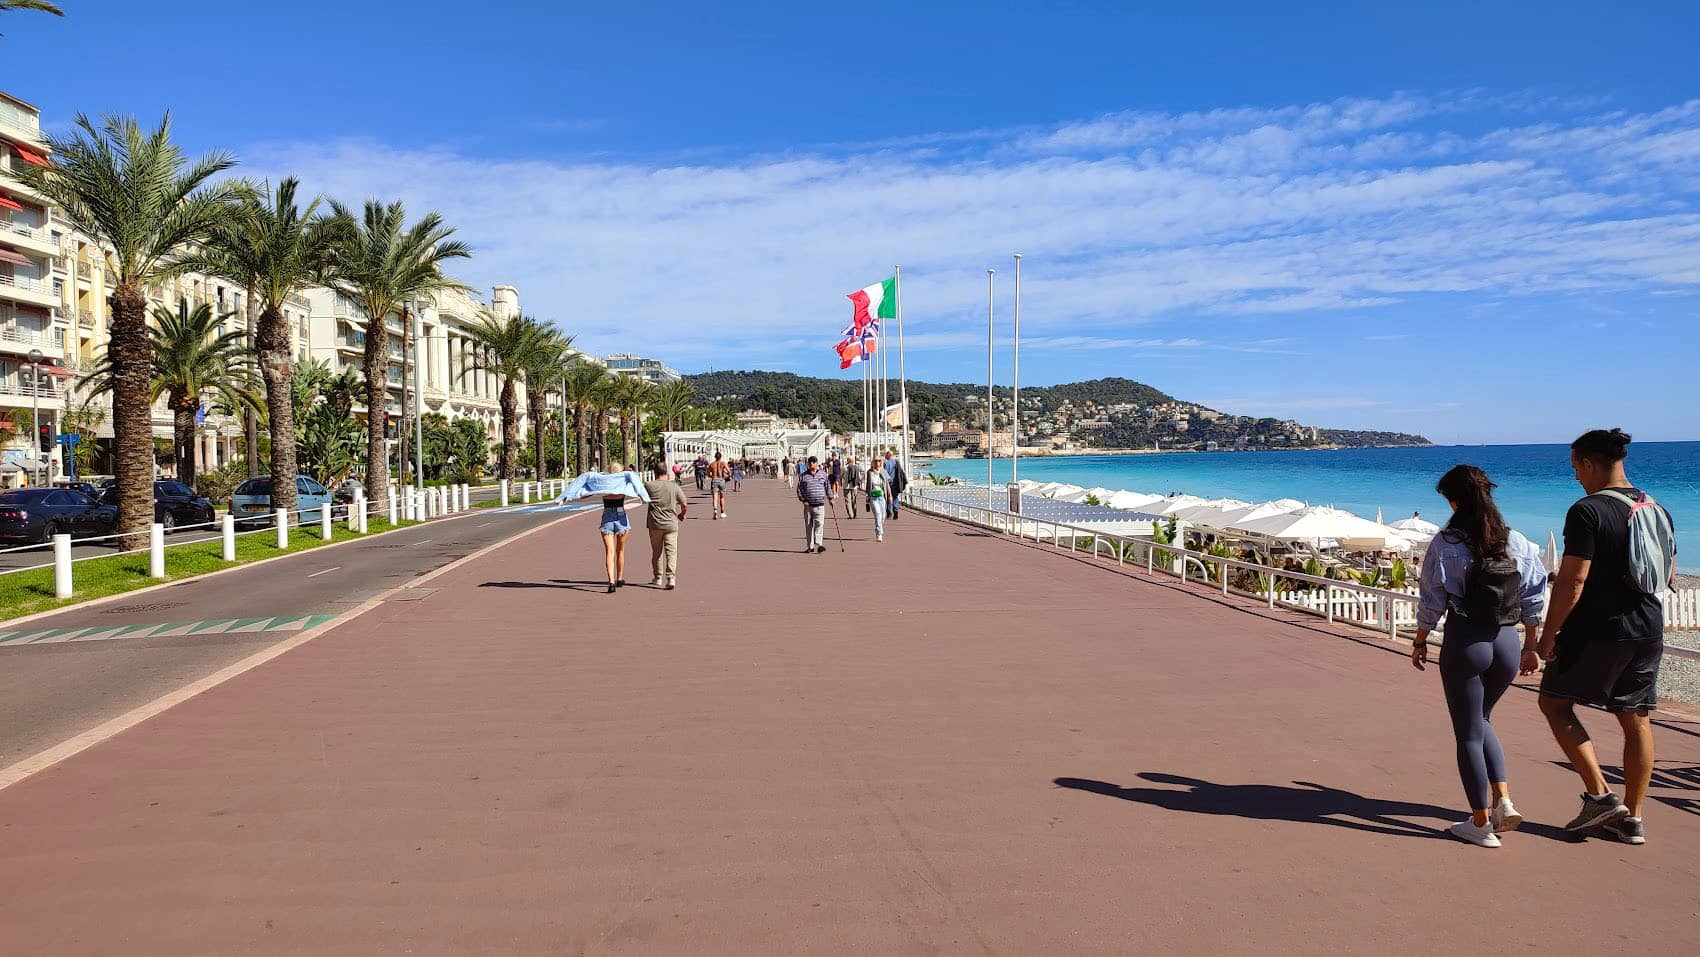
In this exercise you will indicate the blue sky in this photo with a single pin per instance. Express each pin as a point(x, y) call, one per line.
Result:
point(1476, 221)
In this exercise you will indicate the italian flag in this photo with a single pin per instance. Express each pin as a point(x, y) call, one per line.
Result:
point(878, 301)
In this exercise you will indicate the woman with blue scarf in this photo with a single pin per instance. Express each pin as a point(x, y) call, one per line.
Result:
point(613, 488)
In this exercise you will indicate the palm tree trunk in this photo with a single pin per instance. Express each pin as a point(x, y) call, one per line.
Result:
point(276, 365)
point(534, 404)
point(250, 421)
point(601, 461)
point(377, 361)
point(183, 431)
point(628, 421)
point(132, 414)
point(510, 430)
point(581, 452)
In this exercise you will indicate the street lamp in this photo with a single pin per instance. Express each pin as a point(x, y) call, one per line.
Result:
point(419, 306)
point(35, 416)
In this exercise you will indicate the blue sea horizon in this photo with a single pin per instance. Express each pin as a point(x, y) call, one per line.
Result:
point(1535, 484)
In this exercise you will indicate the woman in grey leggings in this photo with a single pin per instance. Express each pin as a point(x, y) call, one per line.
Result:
point(1485, 579)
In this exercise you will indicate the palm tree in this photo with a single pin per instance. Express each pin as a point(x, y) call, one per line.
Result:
point(192, 360)
point(671, 402)
point(580, 386)
point(382, 264)
point(508, 346)
point(631, 395)
point(543, 376)
point(274, 249)
point(135, 195)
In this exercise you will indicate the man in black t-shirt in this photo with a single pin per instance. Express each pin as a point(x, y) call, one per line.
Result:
point(1603, 639)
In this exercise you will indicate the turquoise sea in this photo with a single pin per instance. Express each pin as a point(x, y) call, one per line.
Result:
point(1535, 484)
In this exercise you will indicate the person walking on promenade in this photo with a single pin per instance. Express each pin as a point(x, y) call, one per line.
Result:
point(814, 490)
point(700, 467)
point(719, 473)
point(1604, 638)
point(1485, 579)
point(738, 475)
point(877, 488)
point(614, 488)
point(666, 510)
point(835, 472)
point(852, 485)
point(897, 479)
point(785, 466)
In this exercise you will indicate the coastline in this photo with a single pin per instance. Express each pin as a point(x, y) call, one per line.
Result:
point(1036, 453)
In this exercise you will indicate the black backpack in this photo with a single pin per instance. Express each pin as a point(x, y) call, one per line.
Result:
point(1493, 591)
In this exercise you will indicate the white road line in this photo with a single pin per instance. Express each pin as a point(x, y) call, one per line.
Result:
point(325, 572)
point(420, 542)
point(485, 525)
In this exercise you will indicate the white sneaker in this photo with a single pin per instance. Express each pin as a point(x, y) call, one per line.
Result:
point(1504, 817)
point(880, 537)
point(1480, 835)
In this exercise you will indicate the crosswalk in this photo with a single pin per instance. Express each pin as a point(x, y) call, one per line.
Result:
point(280, 624)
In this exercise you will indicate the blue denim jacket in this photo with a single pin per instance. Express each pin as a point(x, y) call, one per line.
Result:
point(1447, 562)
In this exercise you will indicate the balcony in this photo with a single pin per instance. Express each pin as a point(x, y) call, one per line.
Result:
point(85, 271)
point(30, 132)
point(21, 340)
point(30, 238)
point(28, 289)
point(19, 385)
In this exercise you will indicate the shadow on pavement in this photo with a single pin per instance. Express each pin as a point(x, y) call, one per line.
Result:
point(1307, 803)
point(593, 586)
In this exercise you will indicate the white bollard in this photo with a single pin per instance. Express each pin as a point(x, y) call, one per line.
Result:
point(357, 514)
point(62, 566)
point(156, 550)
point(525, 493)
point(504, 493)
point(325, 522)
point(228, 552)
point(407, 503)
point(443, 498)
point(393, 513)
point(465, 495)
point(282, 518)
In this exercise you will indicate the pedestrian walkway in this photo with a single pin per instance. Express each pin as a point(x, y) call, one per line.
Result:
point(947, 742)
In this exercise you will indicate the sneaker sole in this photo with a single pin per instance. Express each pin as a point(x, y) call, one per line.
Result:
point(1626, 838)
point(1597, 820)
point(1464, 840)
point(1511, 823)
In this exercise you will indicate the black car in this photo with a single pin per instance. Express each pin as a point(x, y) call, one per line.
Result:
point(84, 487)
point(174, 504)
point(38, 514)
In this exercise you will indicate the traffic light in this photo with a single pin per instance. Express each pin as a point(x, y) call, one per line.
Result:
point(44, 435)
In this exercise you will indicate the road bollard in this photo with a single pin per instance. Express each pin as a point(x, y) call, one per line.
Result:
point(525, 493)
point(282, 518)
point(355, 510)
point(156, 550)
point(504, 493)
point(325, 522)
point(394, 515)
point(228, 549)
point(362, 511)
point(443, 495)
point(62, 566)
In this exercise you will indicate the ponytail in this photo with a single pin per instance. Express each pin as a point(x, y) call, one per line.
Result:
point(1475, 515)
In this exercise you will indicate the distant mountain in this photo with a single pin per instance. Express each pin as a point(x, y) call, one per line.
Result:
point(1106, 413)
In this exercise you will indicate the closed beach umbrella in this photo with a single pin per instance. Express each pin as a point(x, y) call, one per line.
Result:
point(1551, 555)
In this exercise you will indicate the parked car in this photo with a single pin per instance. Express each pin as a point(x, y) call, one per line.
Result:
point(251, 503)
point(38, 514)
point(346, 490)
point(86, 488)
point(174, 504)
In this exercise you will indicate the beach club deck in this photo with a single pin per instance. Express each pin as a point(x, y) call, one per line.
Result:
point(950, 742)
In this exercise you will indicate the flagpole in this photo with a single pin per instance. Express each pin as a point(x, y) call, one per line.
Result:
point(883, 400)
point(991, 288)
point(902, 373)
point(1015, 425)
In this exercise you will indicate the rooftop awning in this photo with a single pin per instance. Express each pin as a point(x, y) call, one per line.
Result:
point(30, 156)
point(10, 203)
point(16, 259)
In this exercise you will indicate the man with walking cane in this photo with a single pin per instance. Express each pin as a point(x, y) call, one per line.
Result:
point(814, 490)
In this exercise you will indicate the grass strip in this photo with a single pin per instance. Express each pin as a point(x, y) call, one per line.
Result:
point(26, 593)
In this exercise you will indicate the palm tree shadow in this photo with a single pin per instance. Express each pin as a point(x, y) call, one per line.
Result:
point(1305, 803)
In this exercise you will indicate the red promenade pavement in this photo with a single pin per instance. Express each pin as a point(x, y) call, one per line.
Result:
point(771, 760)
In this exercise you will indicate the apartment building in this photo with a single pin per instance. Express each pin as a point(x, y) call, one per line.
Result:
point(653, 371)
point(34, 339)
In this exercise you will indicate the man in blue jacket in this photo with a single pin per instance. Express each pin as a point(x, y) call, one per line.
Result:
point(814, 490)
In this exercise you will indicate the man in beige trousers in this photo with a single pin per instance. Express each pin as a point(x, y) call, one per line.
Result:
point(666, 510)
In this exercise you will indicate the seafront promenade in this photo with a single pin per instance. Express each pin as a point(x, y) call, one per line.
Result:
point(948, 742)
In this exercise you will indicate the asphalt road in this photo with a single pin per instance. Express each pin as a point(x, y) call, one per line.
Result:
point(49, 692)
point(14, 555)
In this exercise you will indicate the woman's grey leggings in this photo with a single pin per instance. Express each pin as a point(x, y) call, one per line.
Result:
point(1476, 666)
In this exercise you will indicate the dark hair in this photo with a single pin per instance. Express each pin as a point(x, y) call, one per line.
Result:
point(813, 460)
point(661, 469)
point(1474, 515)
point(1603, 447)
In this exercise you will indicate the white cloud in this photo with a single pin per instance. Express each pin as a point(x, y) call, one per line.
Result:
point(1123, 219)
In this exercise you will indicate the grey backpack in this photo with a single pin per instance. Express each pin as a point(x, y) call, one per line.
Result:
point(1652, 543)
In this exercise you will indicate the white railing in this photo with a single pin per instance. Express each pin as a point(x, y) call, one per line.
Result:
point(22, 229)
point(34, 132)
point(44, 389)
point(26, 283)
point(31, 337)
point(1384, 610)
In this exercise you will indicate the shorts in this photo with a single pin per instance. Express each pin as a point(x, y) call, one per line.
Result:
point(1614, 675)
point(718, 485)
point(614, 522)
